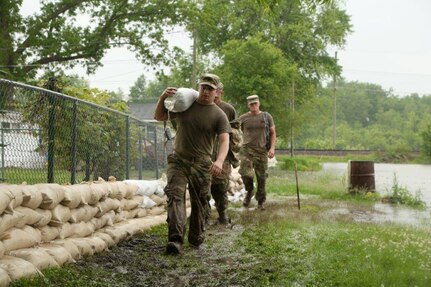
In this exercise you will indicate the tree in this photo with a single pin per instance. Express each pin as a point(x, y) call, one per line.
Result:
point(257, 67)
point(137, 91)
point(301, 33)
point(426, 142)
point(60, 35)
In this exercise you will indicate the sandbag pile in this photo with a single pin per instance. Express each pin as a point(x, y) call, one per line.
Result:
point(48, 225)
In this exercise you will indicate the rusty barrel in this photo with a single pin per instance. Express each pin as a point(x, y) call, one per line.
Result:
point(361, 175)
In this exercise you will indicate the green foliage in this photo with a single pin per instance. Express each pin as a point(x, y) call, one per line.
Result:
point(426, 142)
point(401, 195)
point(137, 91)
point(302, 164)
point(57, 35)
point(257, 67)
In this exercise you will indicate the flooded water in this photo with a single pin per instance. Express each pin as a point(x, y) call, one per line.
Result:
point(414, 177)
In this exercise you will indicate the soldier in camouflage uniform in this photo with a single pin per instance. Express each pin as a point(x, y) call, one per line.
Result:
point(190, 163)
point(253, 154)
point(220, 183)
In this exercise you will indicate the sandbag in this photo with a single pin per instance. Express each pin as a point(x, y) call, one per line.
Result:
point(157, 199)
point(18, 238)
point(109, 204)
point(17, 268)
point(49, 233)
point(157, 210)
point(1, 250)
point(45, 217)
point(16, 191)
point(147, 187)
point(58, 253)
point(81, 229)
point(38, 257)
point(100, 222)
point(60, 214)
point(4, 278)
point(99, 191)
point(128, 204)
point(105, 237)
point(31, 216)
point(52, 194)
point(84, 246)
point(5, 198)
point(11, 220)
point(69, 246)
point(147, 203)
point(32, 198)
point(72, 196)
point(181, 100)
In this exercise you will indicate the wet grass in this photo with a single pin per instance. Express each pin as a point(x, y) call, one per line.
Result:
point(328, 242)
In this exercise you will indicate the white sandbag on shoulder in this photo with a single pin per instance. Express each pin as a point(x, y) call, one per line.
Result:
point(11, 220)
point(58, 253)
point(32, 198)
point(105, 237)
point(49, 233)
point(18, 268)
point(18, 238)
point(147, 203)
point(4, 278)
point(5, 199)
point(52, 194)
point(69, 246)
point(181, 100)
point(38, 257)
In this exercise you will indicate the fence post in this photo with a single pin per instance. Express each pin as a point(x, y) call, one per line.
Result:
point(127, 147)
point(2, 145)
point(156, 155)
point(51, 138)
point(140, 155)
point(73, 144)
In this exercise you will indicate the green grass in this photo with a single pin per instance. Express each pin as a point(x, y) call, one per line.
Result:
point(297, 252)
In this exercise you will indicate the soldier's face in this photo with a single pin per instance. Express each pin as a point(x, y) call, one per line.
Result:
point(207, 94)
point(254, 107)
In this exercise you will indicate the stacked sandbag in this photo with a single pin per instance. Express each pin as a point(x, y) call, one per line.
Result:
point(48, 225)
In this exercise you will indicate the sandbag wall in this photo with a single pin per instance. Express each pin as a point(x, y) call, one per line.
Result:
point(48, 225)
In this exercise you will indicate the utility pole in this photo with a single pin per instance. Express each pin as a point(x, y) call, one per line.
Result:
point(334, 115)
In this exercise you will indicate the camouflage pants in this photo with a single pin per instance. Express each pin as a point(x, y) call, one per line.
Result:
point(181, 172)
point(254, 160)
point(219, 189)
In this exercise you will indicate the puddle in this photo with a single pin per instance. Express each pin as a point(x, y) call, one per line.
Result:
point(383, 213)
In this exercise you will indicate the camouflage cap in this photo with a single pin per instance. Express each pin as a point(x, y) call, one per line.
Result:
point(252, 99)
point(210, 80)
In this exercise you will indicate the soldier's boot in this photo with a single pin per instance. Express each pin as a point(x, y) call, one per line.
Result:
point(248, 183)
point(261, 194)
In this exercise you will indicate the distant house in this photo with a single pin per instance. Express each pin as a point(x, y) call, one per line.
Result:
point(19, 142)
point(144, 112)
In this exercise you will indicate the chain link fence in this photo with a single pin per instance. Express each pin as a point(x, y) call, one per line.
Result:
point(48, 137)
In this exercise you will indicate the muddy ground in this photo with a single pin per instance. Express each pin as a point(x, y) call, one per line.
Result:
point(221, 261)
point(141, 260)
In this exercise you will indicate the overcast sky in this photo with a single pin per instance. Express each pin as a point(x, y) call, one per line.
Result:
point(390, 45)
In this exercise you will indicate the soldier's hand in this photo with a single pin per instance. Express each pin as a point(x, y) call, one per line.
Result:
point(216, 168)
point(271, 153)
point(169, 92)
